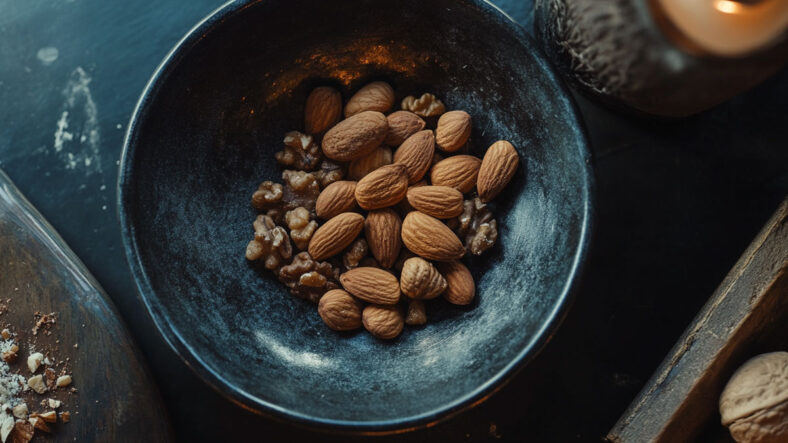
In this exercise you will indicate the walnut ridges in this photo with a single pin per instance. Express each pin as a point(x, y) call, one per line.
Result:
point(376, 212)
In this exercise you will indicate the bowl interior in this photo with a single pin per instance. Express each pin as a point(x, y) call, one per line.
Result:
point(204, 137)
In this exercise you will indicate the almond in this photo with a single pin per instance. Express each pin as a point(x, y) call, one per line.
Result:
point(382, 187)
point(420, 279)
point(356, 136)
point(360, 167)
point(405, 207)
point(458, 172)
point(336, 198)
point(339, 310)
point(376, 96)
point(428, 237)
point(416, 154)
point(460, 288)
point(323, 109)
point(453, 130)
point(382, 229)
point(437, 201)
point(384, 322)
point(372, 285)
point(335, 235)
point(402, 124)
point(497, 169)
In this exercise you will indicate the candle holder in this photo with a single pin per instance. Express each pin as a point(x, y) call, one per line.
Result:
point(668, 58)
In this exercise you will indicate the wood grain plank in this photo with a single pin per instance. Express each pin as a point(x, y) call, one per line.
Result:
point(748, 309)
point(116, 399)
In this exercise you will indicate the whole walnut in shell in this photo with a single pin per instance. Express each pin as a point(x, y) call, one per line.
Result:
point(307, 278)
point(754, 403)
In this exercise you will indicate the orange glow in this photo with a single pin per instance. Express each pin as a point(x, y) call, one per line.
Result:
point(728, 6)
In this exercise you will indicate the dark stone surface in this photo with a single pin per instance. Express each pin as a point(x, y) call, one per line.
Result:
point(677, 202)
point(205, 138)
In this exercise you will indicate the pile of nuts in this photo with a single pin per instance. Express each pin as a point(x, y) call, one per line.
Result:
point(363, 187)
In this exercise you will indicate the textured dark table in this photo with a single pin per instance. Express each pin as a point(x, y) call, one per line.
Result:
point(678, 201)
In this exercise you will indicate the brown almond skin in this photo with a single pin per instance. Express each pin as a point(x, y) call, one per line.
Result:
point(356, 136)
point(372, 285)
point(498, 167)
point(376, 96)
point(429, 238)
point(383, 187)
point(416, 154)
point(382, 229)
point(460, 288)
point(360, 167)
point(336, 198)
point(402, 124)
point(453, 130)
point(420, 279)
point(383, 322)
point(437, 201)
point(323, 109)
point(459, 172)
point(339, 310)
point(335, 235)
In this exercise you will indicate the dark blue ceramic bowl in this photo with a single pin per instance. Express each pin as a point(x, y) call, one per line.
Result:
point(203, 136)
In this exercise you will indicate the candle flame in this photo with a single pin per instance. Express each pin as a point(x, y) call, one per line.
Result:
point(728, 6)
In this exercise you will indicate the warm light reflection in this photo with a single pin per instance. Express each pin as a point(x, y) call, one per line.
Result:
point(728, 6)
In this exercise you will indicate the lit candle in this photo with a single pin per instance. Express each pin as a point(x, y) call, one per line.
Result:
point(727, 28)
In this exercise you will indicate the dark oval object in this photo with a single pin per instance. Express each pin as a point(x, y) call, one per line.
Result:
point(195, 152)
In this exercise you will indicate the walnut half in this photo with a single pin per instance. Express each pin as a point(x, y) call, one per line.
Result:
point(476, 226)
point(271, 243)
point(301, 152)
point(307, 278)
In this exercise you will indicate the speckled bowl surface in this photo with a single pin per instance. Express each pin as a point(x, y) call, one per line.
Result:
point(203, 137)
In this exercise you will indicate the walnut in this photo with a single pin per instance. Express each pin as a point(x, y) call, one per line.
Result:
point(476, 226)
point(267, 195)
point(301, 227)
point(307, 278)
point(425, 106)
point(329, 172)
point(301, 152)
point(355, 253)
point(22, 433)
point(271, 243)
point(754, 403)
point(301, 190)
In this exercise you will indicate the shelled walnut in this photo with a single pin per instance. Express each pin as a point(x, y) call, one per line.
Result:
point(301, 190)
point(307, 278)
point(271, 243)
point(300, 152)
point(425, 106)
point(329, 172)
point(267, 196)
point(476, 226)
point(301, 227)
point(355, 253)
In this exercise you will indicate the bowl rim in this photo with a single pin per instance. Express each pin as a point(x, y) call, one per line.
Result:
point(247, 401)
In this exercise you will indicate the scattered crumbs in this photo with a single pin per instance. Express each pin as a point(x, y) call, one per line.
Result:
point(119, 126)
point(76, 345)
point(494, 431)
point(102, 187)
point(104, 207)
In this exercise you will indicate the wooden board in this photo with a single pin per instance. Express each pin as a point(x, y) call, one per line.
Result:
point(116, 399)
point(747, 315)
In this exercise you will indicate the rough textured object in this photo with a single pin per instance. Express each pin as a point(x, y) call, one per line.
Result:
point(40, 273)
point(281, 359)
point(615, 51)
point(754, 403)
point(748, 309)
